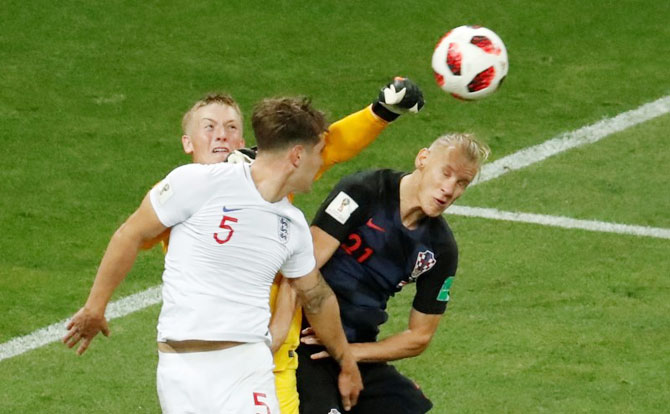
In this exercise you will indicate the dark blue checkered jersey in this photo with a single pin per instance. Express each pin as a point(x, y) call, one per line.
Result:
point(379, 255)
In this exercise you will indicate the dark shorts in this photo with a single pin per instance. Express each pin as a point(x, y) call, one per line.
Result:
point(385, 389)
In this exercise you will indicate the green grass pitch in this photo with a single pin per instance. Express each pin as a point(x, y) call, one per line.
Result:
point(542, 319)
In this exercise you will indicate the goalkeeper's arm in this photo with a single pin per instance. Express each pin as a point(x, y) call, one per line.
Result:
point(347, 137)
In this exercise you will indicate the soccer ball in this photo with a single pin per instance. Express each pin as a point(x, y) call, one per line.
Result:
point(470, 62)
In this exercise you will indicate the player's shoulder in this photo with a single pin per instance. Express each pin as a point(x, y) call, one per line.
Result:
point(292, 221)
point(441, 236)
point(290, 211)
point(214, 170)
point(195, 168)
point(370, 188)
point(204, 177)
point(373, 181)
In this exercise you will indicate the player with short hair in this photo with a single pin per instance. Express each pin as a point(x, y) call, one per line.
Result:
point(233, 229)
point(212, 131)
point(376, 232)
point(199, 132)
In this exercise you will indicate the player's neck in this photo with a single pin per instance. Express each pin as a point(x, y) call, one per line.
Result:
point(410, 207)
point(270, 178)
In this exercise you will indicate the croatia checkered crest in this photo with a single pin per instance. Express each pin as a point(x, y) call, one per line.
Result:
point(424, 262)
point(470, 62)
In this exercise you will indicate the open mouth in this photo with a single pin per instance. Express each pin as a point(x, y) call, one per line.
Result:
point(440, 202)
point(220, 150)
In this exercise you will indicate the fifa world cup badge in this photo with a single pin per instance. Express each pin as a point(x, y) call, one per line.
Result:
point(165, 192)
point(341, 207)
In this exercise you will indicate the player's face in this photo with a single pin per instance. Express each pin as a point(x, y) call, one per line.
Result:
point(214, 132)
point(310, 164)
point(446, 173)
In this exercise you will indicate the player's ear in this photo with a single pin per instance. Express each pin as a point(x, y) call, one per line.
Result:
point(296, 154)
point(187, 144)
point(421, 158)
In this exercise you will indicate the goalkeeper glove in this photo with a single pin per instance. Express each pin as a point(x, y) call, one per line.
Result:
point(398, 97)
point(243, 155)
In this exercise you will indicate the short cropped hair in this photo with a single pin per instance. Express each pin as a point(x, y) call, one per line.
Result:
point(279, 123)
point(210, 98)
point(476, 151)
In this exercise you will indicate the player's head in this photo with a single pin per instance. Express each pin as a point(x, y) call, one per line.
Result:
point(446, 168)
point(293, 129)
point(212, 129)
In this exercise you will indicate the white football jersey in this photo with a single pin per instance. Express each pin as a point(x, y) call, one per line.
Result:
point(226, 245)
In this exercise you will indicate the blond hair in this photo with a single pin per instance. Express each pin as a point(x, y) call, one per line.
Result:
point(475, 150)
point(210, 98)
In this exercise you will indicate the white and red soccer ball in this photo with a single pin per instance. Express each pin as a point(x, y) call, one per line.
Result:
point(470, 62)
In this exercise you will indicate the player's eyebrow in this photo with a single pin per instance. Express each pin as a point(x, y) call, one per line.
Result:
point(214, 121)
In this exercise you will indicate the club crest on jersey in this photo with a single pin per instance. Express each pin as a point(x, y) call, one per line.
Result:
point(424, 262)
point(283, 232)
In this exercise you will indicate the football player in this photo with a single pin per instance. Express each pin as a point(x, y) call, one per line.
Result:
point(376, 232)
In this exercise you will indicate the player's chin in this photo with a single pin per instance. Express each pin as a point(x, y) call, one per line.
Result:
point(212, 158)
point(216, 157)
point(434, 213)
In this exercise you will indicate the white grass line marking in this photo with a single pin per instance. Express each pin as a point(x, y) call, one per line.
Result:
point(56, 331)
point(585, 135)
point(558, 221)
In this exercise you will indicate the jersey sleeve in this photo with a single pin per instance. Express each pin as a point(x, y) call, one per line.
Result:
point(345, 208)
point(432, 288)
point(302, 261)
point(349, 136)
point(180, 194)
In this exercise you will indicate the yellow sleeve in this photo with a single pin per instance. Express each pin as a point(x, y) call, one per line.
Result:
point(347, 137)
point(163, 239)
